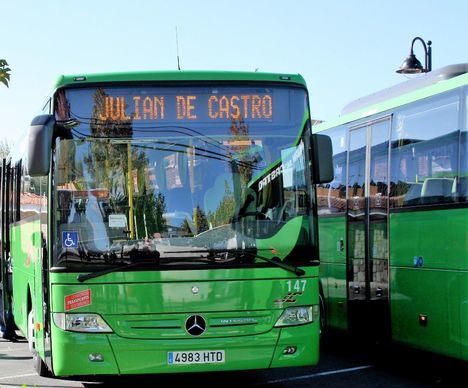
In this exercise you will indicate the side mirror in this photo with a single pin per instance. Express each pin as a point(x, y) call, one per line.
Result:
point(40, 135)
point(322, 159)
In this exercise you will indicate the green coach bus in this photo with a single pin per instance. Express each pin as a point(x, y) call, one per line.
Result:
point(166, 222)
point(393, 223)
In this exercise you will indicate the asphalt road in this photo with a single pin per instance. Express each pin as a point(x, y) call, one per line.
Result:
point(343, 364)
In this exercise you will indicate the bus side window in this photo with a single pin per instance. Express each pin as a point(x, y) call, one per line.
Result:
point(425, 152)
point(331, 197)
point(461, 188)
point(15, 192)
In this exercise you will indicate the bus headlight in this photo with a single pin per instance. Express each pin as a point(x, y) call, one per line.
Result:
point(88, 323)
point(293, 316)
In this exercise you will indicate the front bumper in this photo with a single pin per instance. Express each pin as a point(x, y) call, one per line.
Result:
point(121, 356)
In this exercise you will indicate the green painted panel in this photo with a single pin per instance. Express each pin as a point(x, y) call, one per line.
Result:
point(167, 76)
point(464, 315)
point(220, 274)
point(71, 354)
point(177, 297)
point(283, 242)
point(438, 287)
point(306, 338)
point(439, 236)
point(25, 254)
point(331, 231)
point(439, 295)
point(333, 278)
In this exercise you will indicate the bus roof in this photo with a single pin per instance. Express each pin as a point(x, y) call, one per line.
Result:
point(434, 82)
point(177, 75)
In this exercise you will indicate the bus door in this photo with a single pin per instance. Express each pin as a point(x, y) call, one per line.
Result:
point(6, 276)
point(367, 234)
point(3, 273)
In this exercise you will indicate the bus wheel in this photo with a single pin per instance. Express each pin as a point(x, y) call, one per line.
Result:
point(39, 365)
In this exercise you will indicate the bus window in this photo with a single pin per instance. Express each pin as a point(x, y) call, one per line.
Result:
point(331, 197)
point(424, 157)
point(462, 182)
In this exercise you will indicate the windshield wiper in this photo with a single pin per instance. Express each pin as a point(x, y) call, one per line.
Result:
point(212, 252)
point(142, 257)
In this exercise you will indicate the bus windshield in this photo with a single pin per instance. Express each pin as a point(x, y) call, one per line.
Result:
point(182, 177)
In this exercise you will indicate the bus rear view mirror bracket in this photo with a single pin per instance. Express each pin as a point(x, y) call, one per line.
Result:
point(39, 145)
point(322, 159)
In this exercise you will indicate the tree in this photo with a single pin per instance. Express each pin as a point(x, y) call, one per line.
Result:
point(159, 208)
point(5, 148)
point(242, 144)
point(185, 228)
point(200, 220)
point(225, 210)
point(4, 72)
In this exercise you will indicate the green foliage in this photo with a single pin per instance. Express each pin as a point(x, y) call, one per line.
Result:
point(200, 220)
point(5, 148)
point(4, 72)
point(185, 228)
point(149, 209)
point(159, 208)
point(225, 211)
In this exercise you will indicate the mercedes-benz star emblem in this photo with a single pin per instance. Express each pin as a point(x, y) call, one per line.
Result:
point(195, 325)
point(195, 290)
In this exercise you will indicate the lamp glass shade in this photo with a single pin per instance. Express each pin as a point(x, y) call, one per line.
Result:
point(411, 65)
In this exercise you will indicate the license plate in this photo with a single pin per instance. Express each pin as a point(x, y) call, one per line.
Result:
point(196, 357)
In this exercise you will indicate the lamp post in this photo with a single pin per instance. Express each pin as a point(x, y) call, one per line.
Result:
point(411, 64)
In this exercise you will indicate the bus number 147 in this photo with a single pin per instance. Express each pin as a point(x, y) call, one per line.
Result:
point(297, 286)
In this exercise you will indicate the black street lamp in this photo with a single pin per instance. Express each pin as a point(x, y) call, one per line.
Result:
point(411, 65)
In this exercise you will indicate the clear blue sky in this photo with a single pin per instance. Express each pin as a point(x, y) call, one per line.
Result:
point(344, 49)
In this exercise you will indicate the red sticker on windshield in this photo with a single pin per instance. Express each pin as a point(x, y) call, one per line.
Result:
point(78, 299)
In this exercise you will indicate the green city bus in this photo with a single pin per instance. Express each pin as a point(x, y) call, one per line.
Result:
point(166, 222)
point(393, 223)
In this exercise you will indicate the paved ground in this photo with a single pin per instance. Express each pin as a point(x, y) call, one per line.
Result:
point(342, 364)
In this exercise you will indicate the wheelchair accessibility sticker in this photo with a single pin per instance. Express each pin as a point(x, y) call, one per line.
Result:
point(69, 239)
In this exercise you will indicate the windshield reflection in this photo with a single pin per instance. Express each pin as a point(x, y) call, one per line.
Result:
point(176, 194)
point(130, 195)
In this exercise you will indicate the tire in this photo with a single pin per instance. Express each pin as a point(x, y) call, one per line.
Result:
point(39, 365)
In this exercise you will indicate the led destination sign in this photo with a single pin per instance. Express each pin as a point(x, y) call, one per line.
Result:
point(181, 105)
point(187, 107)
